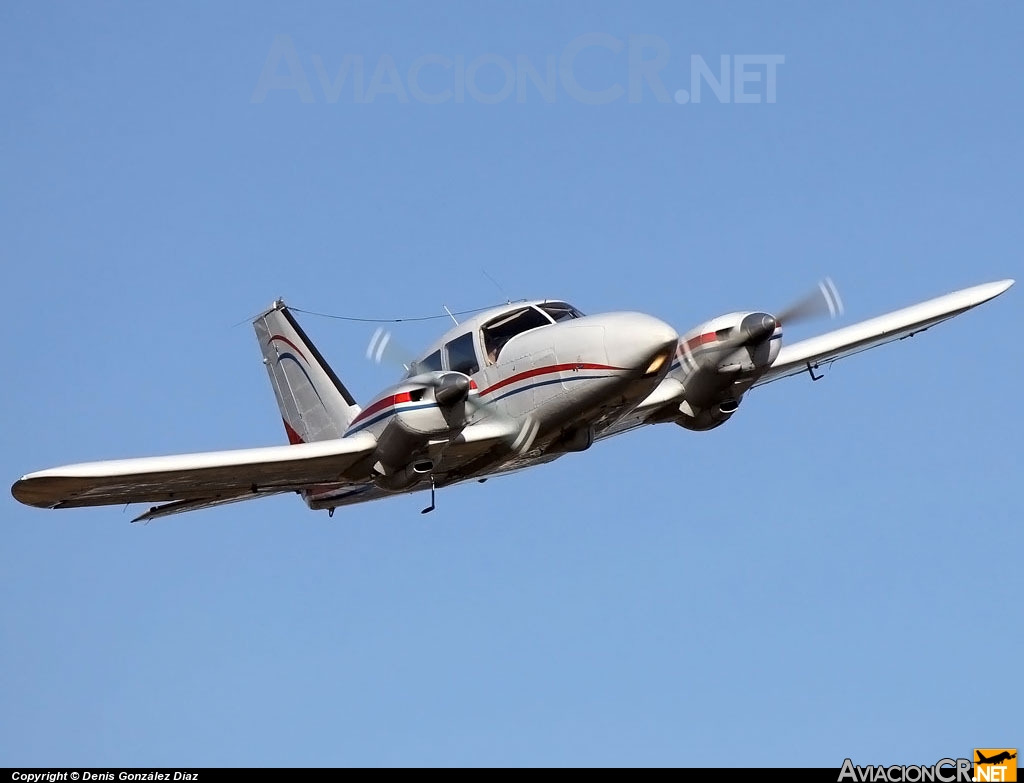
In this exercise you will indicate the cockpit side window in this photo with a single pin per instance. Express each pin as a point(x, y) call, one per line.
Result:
point(461, 355)
point(560, 311)
point(502, 329)
point(430, 364)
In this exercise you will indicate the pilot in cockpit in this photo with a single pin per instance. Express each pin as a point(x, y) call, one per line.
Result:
point(505, 327)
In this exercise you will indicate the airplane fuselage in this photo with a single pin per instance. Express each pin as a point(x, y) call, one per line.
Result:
point(560, 380)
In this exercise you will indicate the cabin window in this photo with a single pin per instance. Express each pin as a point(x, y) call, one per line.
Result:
point(462, 355)
point(560, 311)
point(504, 328)
point(431, 364)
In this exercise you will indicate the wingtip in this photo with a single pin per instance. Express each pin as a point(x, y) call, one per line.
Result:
point(988, 291)
point(24, 491)
point(1002, 286)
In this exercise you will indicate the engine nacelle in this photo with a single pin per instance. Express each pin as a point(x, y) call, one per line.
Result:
point(703, 419)
point(718, 361)
point(579, 439)
point(406, 419)
point(702, 347)
point(426, 407)
point(403, 479)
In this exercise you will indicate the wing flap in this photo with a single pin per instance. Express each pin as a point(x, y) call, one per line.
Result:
point(209, 476)
point(181, 506)
point(796, 358)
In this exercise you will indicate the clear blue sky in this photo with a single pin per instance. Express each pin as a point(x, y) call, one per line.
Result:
point(834, 573)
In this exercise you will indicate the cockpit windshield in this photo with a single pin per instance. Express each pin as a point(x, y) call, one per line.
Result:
point(560, 311)
point(430, 364)
point(505, 327)
point(493, 336)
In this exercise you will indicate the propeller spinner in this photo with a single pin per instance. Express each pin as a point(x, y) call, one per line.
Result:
point(755, 328)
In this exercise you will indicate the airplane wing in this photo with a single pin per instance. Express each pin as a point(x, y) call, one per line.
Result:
point(191, 481)
point(798, 357)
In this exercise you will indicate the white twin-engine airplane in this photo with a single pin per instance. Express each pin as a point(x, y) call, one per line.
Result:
point(513, 387)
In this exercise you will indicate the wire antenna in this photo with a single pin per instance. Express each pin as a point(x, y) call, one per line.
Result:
point(391, 320)
point(508, 299)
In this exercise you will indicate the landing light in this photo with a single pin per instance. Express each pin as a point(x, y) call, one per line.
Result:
point(656, 364)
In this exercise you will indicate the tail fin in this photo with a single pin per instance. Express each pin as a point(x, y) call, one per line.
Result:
point(314, 404)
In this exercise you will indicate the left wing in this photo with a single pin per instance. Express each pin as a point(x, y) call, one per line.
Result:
point(663, 403)
point(190, 481)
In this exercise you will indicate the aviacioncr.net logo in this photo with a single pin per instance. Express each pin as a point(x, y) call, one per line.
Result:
point(995, 765)
point(942, 771)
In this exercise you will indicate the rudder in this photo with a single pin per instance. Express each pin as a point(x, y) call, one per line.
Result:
point(314, 403)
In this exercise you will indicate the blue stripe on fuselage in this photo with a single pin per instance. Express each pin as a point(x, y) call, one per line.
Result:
point(389, 412)
point(549, 382)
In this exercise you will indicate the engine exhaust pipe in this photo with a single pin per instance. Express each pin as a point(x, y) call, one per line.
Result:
point(405, 477)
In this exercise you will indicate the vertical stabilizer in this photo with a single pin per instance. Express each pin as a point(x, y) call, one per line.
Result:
point(314, 403)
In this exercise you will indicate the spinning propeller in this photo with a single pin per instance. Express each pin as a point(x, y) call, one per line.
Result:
point(450, 389)
point(824, 298)
point(755, 328)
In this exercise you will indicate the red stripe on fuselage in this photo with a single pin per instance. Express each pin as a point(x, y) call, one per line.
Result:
point(707, 337)
point(396, 399)
point(286, 341)
point(381, 404)
point(545, 370)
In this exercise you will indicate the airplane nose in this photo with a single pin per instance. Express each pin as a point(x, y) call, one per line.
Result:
point(638, 340)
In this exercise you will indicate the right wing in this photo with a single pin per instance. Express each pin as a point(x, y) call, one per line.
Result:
point(332, 472)
point(798, 357)
point(192, 481)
